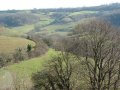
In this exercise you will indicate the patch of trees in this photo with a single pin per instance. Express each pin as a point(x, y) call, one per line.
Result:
point(37, 28)
point(113, 17)
point(108, 7)
point(9, 11)
point(90, 62)
point(58, 16)
point(57, 76)
point(40, 48)
point(4, 59)
point(18, 19)
point(100, 47)
point(50, 40)
point(7, 59)
point(82, 16)
point(64, 30)
point(54, 41)
point(19, 55)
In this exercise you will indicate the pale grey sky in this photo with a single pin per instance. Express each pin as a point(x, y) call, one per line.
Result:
point(29, 4)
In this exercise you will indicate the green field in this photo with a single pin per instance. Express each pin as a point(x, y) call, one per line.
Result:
point(9, 44)
point(24, 69)
point(18, 31)
point(31, 66)
point(82, 12)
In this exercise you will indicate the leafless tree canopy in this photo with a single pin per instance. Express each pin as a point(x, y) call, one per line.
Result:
point(100, 48)
point(95, 46)
point(57, 76)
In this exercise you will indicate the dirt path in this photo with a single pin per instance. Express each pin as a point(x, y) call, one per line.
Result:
point(6, 80)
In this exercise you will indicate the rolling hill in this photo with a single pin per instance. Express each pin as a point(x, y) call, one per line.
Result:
point(9, 44)
point(54, 21)
point(23, 70)
point(48, 22)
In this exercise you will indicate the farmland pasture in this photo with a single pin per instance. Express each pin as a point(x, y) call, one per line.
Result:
point(20, 30)
point(9, 44)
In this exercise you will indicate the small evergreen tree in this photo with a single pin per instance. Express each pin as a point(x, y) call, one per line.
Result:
point(29, 48)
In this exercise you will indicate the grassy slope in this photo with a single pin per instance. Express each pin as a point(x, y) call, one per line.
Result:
point(31, 66)
point(23, 70)
point(18, 31)
point(9, 44)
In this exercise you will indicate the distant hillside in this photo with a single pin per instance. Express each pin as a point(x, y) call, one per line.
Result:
point(55, 21)
point(106, 7)
point(112, 16)
point(18, 19)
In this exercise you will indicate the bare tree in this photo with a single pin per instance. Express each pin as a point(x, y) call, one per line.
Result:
point(19, 55)
point(100, 47)
point(4, 59)
point(57, 76)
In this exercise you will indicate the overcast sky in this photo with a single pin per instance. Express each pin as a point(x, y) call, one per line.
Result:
point(30, 4)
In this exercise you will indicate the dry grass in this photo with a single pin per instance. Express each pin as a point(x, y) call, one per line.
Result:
point(9, 44)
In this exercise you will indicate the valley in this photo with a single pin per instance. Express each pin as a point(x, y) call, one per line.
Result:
point(43, 46)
